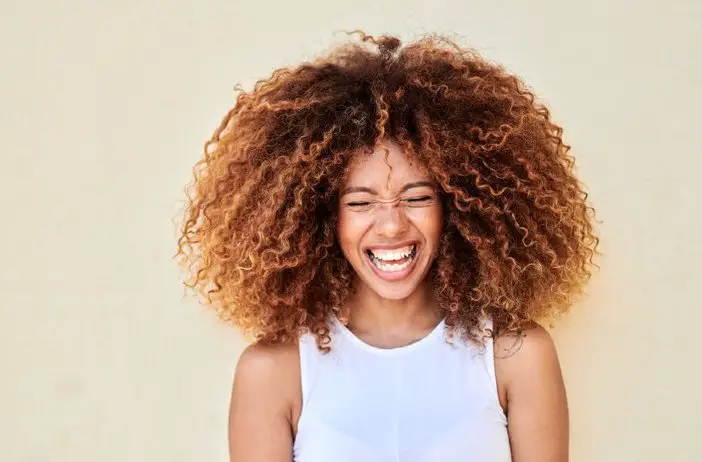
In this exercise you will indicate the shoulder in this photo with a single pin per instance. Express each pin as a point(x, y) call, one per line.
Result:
point(269, 373)
point(531, 385)
point(260, 363)
point(261, 356)
point(525, 357)
point(529, 344)
point(264, 404)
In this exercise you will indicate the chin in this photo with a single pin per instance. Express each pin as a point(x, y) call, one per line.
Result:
point(393, 293)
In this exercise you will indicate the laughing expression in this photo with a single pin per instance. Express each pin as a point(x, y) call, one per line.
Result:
point(390, 220)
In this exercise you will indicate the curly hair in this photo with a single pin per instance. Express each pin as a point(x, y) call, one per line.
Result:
point(258, 235)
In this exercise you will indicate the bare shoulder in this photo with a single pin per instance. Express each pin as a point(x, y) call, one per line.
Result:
point(525, 357)
point(260, 361)
point(532, 392)
point(264, 403)
point(268, 372)
point(533, 343)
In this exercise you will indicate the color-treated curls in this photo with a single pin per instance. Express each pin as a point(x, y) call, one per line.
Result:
point(258, 235)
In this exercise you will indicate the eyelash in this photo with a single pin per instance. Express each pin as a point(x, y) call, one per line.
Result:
point(418, 200)
point(412, 200)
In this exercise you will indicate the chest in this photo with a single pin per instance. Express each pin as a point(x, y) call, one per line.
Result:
point(382, 410)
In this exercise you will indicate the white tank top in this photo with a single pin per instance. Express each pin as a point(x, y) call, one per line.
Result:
point(430, 401)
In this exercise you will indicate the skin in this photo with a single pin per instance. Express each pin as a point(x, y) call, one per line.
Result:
point(266, 398)
point(389, 203)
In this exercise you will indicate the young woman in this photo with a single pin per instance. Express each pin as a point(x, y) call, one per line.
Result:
point(389, 223)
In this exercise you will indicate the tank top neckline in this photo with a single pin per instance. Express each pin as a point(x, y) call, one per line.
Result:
point(427, 339)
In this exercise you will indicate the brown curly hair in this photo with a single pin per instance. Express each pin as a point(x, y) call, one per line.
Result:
point(258, 234)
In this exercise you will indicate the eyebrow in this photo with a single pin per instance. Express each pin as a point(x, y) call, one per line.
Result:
point(414, 184)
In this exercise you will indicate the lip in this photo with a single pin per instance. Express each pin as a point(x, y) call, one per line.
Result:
point(396, 275)
point(392, 246)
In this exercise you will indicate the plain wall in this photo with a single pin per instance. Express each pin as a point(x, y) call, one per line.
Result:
point(105, 106)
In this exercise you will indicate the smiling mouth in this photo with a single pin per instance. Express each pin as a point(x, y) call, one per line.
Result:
point(392, 261)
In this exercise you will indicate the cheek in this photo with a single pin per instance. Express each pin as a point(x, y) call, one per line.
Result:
point(430, 224)
point(349, 231)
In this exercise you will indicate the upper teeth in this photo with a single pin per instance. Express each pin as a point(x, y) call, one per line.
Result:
point(395, 254)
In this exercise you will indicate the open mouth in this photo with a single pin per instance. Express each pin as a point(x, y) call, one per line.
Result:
point(392, 260)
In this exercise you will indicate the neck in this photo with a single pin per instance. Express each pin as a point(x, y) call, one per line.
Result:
point(376, 316)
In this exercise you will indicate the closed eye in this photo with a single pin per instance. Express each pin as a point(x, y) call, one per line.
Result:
point(418, 200)
point(359, 206)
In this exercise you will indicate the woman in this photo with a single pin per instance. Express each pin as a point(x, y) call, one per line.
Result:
point(389, 223)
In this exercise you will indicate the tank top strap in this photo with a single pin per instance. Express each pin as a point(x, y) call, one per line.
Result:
point(309, 364)
point(488, 334)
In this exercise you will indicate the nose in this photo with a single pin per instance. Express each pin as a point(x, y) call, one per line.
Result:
point(390, 220)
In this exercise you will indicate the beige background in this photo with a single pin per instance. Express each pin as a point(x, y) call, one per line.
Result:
point(105, 105)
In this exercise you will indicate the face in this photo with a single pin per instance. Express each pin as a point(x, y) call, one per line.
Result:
point(390, 220)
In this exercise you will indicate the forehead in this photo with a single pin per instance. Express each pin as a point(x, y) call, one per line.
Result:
point(384, 171)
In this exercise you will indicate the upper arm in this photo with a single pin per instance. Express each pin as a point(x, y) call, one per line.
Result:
point(530, 377)
point(260, 407)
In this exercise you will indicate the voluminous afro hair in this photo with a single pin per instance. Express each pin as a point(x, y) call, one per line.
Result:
point(258, 236)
